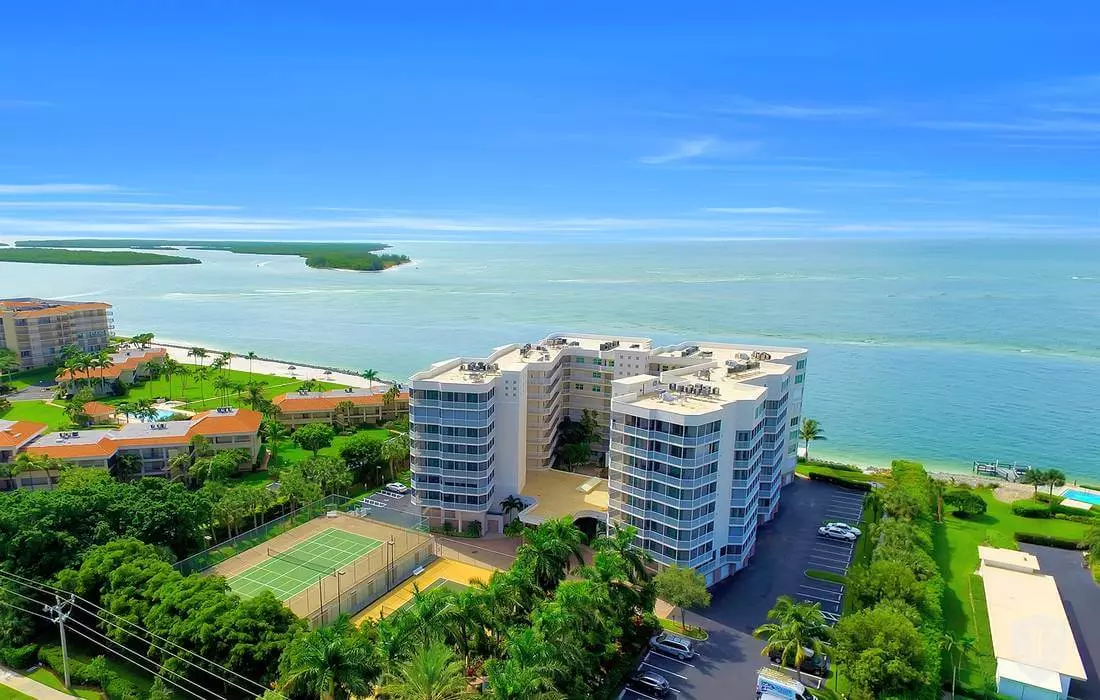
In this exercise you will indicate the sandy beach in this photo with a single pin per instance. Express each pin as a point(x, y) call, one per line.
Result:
point(178, 351)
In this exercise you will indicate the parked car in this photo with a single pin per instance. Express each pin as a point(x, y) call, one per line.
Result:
point(397, 487)
point(650, 683)
point(673, 645)
point(846, 526)
point(817, 664)
point(836, 533)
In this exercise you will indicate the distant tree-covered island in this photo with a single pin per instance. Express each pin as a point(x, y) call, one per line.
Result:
point(360, 257)
point(60, 256)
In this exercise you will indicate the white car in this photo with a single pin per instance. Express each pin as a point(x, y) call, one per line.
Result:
point(845, 526)
point(837, 533)
point(397, 487)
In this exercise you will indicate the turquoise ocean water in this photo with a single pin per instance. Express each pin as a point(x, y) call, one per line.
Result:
point(943, 351)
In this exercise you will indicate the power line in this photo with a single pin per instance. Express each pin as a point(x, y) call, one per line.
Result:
point(136, 662)
point(24, 610)
point(30, 583)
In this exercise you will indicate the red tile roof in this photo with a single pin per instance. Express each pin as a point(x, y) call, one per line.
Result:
point(115, 371)
point(19, 432)
point(290, 403)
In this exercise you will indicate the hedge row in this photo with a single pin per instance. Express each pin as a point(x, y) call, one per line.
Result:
point(1047, 508)
point(1047, 540)
point(841, 481)
point(93, 673)
point(19, 658)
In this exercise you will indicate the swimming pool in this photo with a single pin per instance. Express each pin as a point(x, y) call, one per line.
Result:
point(1083, 496)
point(162, 415)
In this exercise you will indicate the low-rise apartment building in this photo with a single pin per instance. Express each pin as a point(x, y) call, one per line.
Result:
point(342, 407)
point(37, 329)
point(697, 439)
point(15, 435)
point(126, 368)
point(154, 443)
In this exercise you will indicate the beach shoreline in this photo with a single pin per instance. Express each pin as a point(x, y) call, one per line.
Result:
point(178, 350)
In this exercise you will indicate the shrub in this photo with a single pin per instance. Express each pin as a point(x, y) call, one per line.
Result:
point(1047, 498)
point(964, 503)
point(841, 481)
point(1092, 487)
point(1067, 510)
point(1077, 518)
point(473, 528)
point(1031, 509)
point(19, 658)
point(1047, 540)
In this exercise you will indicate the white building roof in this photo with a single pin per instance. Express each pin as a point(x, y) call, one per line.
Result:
point(1011, 557)
point(1029, 675)
point(1028, 622)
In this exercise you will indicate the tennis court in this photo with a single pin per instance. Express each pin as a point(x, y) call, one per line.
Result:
point(288, 573)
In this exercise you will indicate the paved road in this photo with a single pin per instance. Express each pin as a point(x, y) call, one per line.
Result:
point(1081, 597)
point(30, 687)
point(730, 658)
point(32, 393)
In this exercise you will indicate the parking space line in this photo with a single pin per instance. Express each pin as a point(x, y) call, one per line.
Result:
point(664, 656)
point(832, 548)
point(823, 599)
point(831, 568)
point(821, 590)
point(636, 692)
point(663, 670)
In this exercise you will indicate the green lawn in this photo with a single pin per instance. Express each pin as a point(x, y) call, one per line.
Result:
point(956, 553)
point(47, 677)
point(38, 411)
point(206, 396)
point(83, 651)
point(7, 693)
point(854, 475)
point(289, 453)
point(22, 380)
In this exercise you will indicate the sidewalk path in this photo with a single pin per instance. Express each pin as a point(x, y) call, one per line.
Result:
point(30, 687)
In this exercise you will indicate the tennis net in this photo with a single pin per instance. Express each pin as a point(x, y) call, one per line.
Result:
point(305, 563)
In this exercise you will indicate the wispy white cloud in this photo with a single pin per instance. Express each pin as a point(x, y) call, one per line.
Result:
point(59, 188)
point(1023, 126)
point(692, 148)
point(708, 146)
point(758, 210)
point(754, 108)
point(47, 204)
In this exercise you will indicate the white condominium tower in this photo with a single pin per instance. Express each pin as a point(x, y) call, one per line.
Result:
point(697, 440)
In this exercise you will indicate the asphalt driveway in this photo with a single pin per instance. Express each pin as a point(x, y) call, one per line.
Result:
point(729, 660)
point(1081, 597)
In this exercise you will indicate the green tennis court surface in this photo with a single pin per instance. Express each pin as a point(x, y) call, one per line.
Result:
point(303, 564)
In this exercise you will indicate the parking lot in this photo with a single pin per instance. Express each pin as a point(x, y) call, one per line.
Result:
point(393, 508)
point(730, 658)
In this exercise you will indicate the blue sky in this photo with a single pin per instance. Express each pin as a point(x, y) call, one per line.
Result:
point(390, 120)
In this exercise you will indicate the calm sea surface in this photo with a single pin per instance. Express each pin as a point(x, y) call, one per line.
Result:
point(933, 350)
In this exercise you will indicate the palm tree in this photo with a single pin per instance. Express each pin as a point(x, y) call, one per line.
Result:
point(256, 396)
point(957, 647)
point(391, 395)
point(226, 358)
point(223, 385)
point(810, 430)
point(620, 541)
point(509, 680)
point(433, 673)
point(197, 353)
point(394, 451)
point(333, 663)
point(512, 503)
point(342, 412)
point(250, 356)
point(550, 549)
point(201, 373)
point(798, 627)
point(1054, 477)
point(9, 360)
point(1035, 478)
point(170, 368)
point(274, 432)
point(370, 375)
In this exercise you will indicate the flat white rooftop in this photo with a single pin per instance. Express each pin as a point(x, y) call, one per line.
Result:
point(1028, 621)
point(1011, 557)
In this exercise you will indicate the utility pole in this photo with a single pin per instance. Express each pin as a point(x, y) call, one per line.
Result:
point(59, 613)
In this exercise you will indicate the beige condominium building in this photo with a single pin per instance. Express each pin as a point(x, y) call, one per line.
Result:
point(37, 329)
point(154, 443)
point(697, 439)
point(351, 406)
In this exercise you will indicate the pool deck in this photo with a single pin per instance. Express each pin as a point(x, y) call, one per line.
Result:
point(1071, 502)
point(438, 570)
